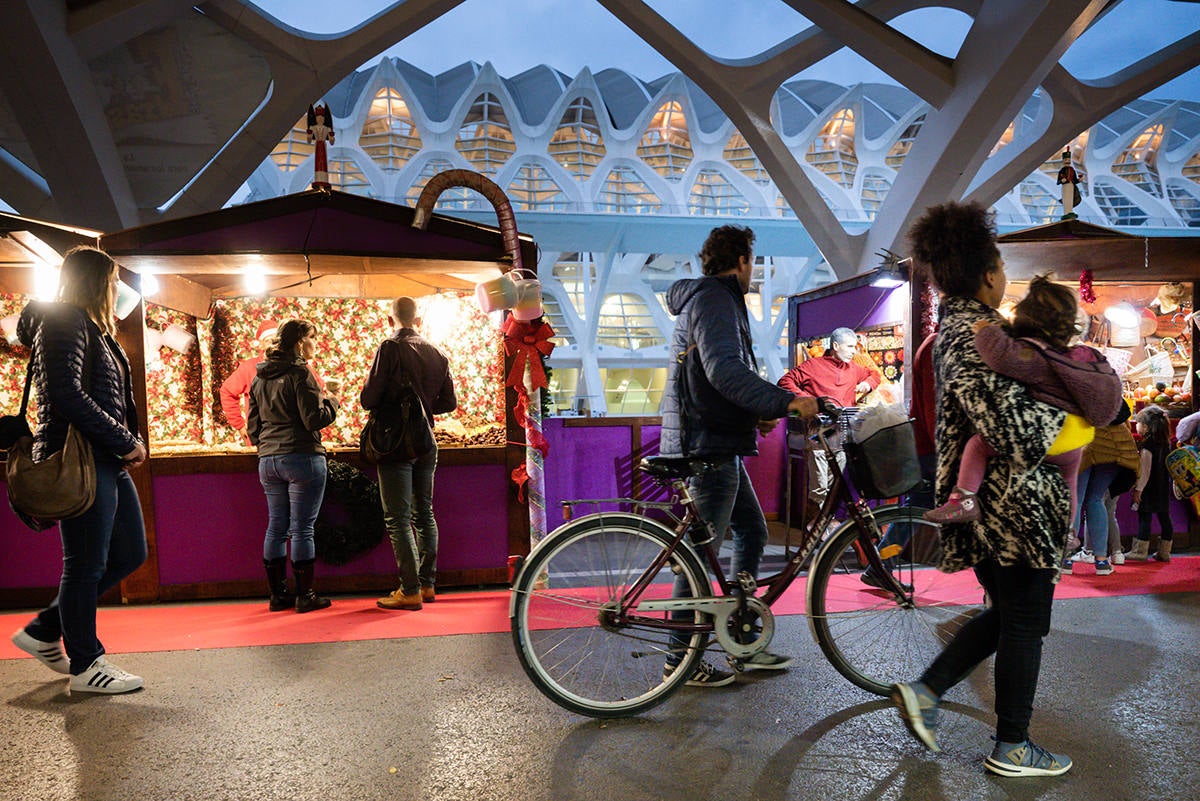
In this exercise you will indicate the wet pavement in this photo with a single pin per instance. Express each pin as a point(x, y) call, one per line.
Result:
point(456, 718)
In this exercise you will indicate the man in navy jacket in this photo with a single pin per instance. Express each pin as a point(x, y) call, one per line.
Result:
point(715, 404)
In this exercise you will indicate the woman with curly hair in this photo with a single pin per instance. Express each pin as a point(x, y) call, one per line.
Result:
point(1016, 546)
point(1036, 350)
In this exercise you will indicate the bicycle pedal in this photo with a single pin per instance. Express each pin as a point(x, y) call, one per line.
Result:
point(736, 665)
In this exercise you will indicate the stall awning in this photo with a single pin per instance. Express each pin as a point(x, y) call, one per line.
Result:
point(26, 244)
point(316, 243)
point(1064, 249)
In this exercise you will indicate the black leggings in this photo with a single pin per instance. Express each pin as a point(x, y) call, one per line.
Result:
point(1164, 522)
point(1012, 628)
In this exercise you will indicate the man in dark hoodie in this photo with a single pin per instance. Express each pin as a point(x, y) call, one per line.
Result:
point(714, 405)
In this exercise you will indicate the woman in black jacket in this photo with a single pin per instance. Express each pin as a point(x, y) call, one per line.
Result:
point(82, 379)
point(287, 412)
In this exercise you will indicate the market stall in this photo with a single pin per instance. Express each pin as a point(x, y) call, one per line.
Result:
point(334, 258)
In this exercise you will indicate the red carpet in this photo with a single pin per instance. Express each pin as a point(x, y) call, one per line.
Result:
point(175, 627)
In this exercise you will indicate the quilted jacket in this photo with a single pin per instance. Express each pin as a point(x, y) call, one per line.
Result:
point(105, 412)
point(713, 321)
point(1023, 498)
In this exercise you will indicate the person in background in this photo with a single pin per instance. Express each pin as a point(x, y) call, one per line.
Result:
point(1016, 547)
point(406, 488)
point(713, 407)
point(1152, 495)
point(836, 376)
point(1109, 467)
point(287, 412)
point(82, 379)
point(235, 389)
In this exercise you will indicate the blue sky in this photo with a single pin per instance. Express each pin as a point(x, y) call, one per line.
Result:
point(571, 34)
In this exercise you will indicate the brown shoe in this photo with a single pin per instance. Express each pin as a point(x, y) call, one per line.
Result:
point(961, 508)
point(428, 595)
point(398, 600)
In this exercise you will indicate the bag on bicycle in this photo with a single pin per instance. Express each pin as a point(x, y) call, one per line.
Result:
point(882, 453)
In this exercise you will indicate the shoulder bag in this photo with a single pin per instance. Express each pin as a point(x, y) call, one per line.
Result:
point(398, 430)
point(58, 488)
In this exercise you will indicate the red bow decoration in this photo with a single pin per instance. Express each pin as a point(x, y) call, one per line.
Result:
point(527, 343)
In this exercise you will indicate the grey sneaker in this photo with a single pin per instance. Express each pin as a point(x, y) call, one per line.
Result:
point(765, 660)
point(919, 710)
point(49, 654)
point(705, 676)
point(1026, 759)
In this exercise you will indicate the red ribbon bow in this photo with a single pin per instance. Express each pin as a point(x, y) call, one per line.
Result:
point(527, 343)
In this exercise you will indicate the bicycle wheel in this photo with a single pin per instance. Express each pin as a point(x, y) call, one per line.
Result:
point(872, 636)
point(569, 631)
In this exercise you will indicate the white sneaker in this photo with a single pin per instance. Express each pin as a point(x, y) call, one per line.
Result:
point(104, 677)
point(1085, 556)
point(49, 654)
point(1117, 557)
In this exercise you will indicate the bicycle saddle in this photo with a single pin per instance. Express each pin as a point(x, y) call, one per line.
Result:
point(668, 467)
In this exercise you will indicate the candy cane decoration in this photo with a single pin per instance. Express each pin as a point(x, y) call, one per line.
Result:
point(534, 466)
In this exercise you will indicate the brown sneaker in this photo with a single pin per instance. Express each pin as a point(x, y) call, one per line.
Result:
point(962, 507)
point(428, 595)
point(398, 600)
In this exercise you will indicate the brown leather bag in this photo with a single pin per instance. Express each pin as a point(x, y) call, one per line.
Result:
point(58, 488)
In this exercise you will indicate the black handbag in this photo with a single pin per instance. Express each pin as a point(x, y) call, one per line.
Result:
point(397, 431)
point(59, 487)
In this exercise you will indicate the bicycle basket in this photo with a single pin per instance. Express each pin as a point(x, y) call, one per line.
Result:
point(885, 464)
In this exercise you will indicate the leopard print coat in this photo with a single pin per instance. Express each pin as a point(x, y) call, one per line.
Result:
point(1024, 501)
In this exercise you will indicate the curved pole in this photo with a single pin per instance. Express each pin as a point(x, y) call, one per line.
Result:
point(484, 186)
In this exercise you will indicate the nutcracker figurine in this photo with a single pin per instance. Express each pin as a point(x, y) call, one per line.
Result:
point(1068, 179)
point(320, 131)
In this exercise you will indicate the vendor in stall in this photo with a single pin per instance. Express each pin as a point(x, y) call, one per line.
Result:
point(837, 376)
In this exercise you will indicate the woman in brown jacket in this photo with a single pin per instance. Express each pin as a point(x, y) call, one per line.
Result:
point(1109, 467)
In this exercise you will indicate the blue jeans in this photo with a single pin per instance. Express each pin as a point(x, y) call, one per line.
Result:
point(725, 498)
point(1093, 489)
point(406, 492)
point(100, 547)
point(295, 486)
point(1012, 628)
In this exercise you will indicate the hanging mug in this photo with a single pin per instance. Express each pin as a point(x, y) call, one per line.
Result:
point(496, 294)
point(528, 305)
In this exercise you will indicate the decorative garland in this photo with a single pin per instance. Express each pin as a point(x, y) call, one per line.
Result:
point(1086, 293)
point(358, 496)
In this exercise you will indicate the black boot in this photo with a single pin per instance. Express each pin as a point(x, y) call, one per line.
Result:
point(306, 599)
point(281, 597)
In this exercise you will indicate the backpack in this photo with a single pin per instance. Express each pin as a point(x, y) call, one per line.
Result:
point(1184, 466)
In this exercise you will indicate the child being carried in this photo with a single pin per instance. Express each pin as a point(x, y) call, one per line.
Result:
point(1037, 351)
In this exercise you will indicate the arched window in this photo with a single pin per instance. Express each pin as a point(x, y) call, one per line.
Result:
point(532, 189)
point(293, 148)
point(1119, 209)
point(1191, 170)
point(1041, 206)
point(455, 198)
point(346, 175)
point(738, 154)
point(875, 187)
point(563, 335)
point(388, 135)
point(1184, 200)
point(899, 150)
point(625, 322)
point(485, 138)
point(712, 195)
point(625, 193)
point(577, 144)
point(832, 150)
point(1137, 163)
point(666, 145)
point(576, 273)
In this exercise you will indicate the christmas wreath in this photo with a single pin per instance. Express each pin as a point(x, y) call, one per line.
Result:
point(354, 524)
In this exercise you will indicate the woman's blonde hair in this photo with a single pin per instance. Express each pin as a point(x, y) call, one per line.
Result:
point(84, 281)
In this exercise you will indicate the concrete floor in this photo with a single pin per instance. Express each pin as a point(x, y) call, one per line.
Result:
point(455, 718)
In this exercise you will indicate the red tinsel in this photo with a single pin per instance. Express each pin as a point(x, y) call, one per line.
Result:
point(1086, 293)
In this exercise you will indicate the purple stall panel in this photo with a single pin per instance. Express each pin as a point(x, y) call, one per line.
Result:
point(858, 308)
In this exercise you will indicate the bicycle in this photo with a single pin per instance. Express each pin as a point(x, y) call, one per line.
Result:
point(593, 617)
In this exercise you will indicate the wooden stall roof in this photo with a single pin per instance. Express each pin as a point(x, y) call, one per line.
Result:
point(1065, 248)
point(316, 244)
point(26, 243)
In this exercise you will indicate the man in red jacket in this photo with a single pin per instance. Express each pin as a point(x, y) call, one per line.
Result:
point(833, 375)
